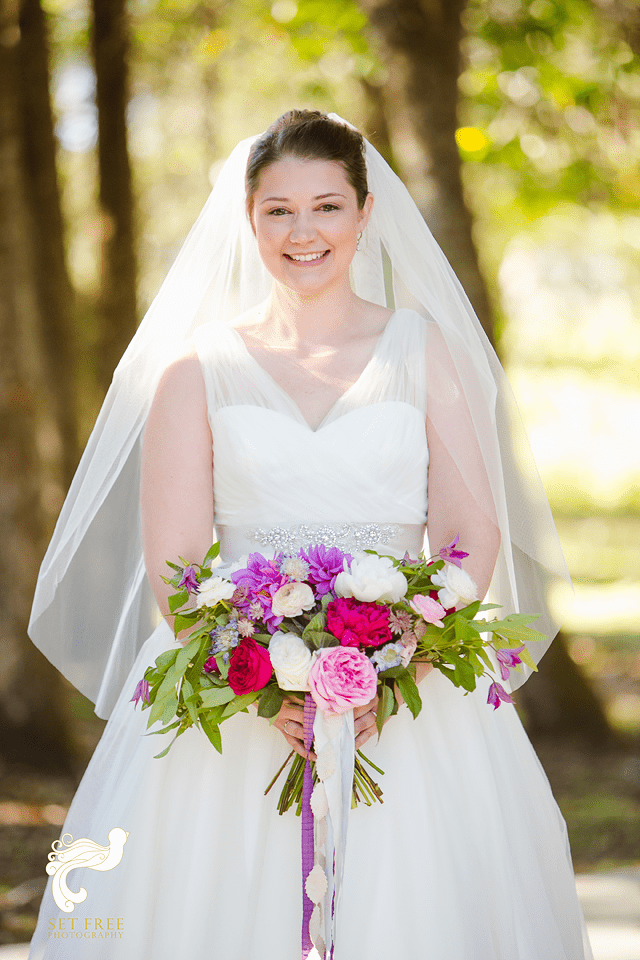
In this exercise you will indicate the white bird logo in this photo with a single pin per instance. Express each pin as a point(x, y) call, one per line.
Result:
point(69, 855)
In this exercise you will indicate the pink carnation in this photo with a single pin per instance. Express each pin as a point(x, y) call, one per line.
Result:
point(342, 678)
point(358, 624)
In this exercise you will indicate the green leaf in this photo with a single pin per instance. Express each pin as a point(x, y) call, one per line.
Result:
point(171, 726)
point(317, 624)
point(216, 696)
point(386, 702)
point(316, 639)
point(171, 678)
point(178, 600)
point(465, 674)
point(482, 653)
point(270, 702)
point(185, 655)
point(170, 707)
point(166, 659)
point(158, 756)
point(240, 703)
point(464, 630)
point(184, 620)
point(155, 713)
point(470, 611)
point(174, 566)
point(527, 659)
point(212, 553)
point(212, 731)
point(409, 691)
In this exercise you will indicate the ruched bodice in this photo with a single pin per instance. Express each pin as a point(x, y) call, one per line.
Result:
point(367, 460)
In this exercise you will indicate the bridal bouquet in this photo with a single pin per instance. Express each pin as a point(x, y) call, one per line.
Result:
point(324, 623)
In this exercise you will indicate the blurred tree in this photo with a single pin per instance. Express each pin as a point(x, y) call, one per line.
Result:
point(420, 47)
point(118, 285)
point(55, 297)
point(33, 724)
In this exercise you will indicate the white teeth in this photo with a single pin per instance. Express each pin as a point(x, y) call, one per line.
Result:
point(308, 256)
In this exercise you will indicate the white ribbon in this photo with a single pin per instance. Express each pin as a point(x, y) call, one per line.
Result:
point(337, 730)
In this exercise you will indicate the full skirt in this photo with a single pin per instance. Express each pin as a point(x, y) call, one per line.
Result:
point(466, 859)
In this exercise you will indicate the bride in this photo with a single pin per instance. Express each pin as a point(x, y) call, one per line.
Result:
point(310, 364)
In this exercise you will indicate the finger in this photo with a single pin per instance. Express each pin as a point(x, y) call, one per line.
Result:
point(298, 746)
point(293, 729)
point(362, 738)
point(372, 705)
point(364, 722)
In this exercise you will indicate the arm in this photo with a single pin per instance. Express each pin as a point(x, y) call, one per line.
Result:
point(176, 492)
point(452, 510)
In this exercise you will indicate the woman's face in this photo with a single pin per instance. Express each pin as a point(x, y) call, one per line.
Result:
point(306, 221)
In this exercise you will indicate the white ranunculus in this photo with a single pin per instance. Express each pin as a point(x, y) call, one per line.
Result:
point(370, 579)
point(291, 659)
point(214, 589)
point(455, 587)
point(292, 598)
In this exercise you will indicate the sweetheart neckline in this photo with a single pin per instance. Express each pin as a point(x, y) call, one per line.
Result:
point(291, 402)
point(323, 425)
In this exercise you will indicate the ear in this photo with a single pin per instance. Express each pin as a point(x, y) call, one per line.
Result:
point(365, 213)
point(251, 220)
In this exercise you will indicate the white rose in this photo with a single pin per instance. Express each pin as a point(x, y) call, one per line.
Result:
point(291, 599)
point(291, 659)
point(214, 589)
point(370, 579)
point(455, 587)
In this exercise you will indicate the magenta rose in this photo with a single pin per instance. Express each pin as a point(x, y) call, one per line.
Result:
point(341, 678)
point(250, 667)
point(358, 624)
point(210, 666)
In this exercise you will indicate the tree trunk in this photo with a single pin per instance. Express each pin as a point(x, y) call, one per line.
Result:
point(558, 702)
point(33, 723)
point(54, 291)
point(118, 304)
point(420, 44)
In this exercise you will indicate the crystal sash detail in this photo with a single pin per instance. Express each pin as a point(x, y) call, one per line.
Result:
point(237, 540)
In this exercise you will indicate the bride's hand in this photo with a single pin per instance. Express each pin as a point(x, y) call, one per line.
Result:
point(290, 723)
point(365, 721)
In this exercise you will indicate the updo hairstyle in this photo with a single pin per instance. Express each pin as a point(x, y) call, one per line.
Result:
point(308, 135)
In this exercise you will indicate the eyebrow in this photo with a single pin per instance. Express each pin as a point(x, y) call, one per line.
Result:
point(321, 196)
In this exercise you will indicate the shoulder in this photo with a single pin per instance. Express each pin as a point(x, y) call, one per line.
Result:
point(182, 380)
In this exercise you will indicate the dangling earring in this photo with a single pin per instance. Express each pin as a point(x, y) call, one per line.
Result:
point(358, 242)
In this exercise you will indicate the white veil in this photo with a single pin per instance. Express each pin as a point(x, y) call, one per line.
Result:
point(93, 605)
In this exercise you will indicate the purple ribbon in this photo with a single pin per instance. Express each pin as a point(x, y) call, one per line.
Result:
point(307, 825)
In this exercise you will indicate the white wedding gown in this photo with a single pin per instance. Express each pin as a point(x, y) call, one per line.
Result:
point(467, 859)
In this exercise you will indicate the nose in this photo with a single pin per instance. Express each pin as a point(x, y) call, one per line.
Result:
point(303, 229)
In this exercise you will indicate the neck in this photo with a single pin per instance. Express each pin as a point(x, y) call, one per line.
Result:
point(311, 319)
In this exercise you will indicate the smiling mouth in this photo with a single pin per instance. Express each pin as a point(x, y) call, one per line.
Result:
point(307, 257)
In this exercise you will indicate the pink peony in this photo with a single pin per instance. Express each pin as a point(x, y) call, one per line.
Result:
point(341, 678)
point(357, 624)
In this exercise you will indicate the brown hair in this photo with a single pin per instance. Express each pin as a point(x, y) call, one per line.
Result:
point(309, 135)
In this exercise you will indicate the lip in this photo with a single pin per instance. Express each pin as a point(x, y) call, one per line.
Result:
point(307, 263)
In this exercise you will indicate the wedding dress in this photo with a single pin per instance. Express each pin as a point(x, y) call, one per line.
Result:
point(467, 859)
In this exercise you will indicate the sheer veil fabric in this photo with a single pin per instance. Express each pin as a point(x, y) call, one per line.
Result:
point(93, 607)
